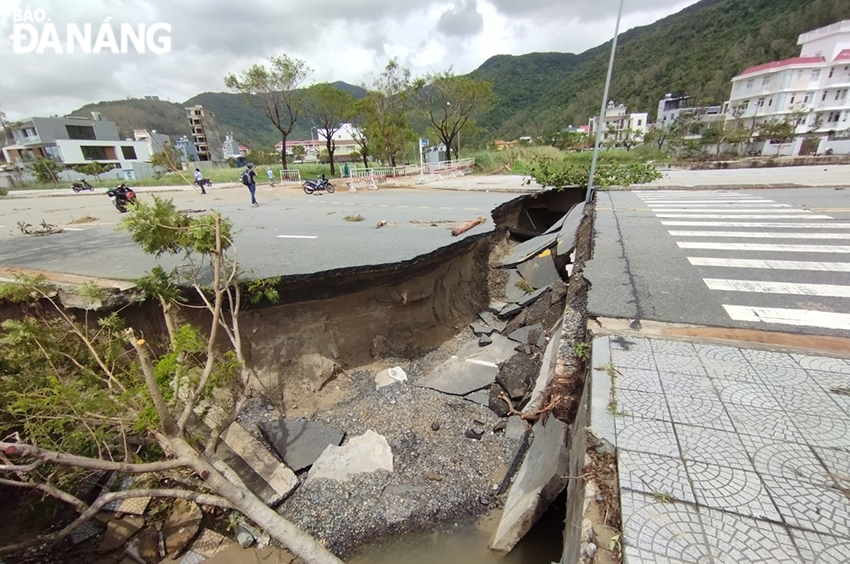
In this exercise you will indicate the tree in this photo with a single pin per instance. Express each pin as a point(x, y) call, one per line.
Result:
point(298, 153)
point(272, 90)
point(362, 109)
point(81, 396)
point(46, 170)
point(93, 168)
point(629, 138)
point(329, 107)
point(778, 131)
point(450, 102)
point(657, 136)
point(169, 158)
point(384, 114)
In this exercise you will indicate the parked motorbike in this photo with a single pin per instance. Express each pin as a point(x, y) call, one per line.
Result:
point(80, 186)
point(121, 195)
point(203, 183)
point(317, 185)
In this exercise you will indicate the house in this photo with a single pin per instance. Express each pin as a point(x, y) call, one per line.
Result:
point(74, 140)
point(618, 121)
point(231, 149)
point(813, 88)
point(671, 107)
point(343, 139)
point(186, 148)
point(156, 141)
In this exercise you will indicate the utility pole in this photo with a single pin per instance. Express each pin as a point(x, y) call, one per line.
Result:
point(604, 106)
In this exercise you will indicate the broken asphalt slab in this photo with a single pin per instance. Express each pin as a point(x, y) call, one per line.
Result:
point(299, 442)
point(492, 321)
point(528, 335)
point(461, 377)
point(539, 271)
point(542, 476)
point(528, 249)
point(569, 229)
point(513, 289)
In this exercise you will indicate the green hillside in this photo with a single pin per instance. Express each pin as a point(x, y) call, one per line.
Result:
point(136, 113)
point(696, 52)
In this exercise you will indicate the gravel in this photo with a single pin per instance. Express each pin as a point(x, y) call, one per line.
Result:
point(438, 473)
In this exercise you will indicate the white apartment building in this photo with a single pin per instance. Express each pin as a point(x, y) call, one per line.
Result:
point(671, 107)
point(620, 120)
point(74, 140)
point(816, 83)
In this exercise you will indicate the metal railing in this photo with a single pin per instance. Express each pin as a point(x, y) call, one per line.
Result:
point(287, 175)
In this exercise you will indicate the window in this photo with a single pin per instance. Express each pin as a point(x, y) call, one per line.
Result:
point(640, 122)
point(761, 103)
point(98, 153)
point(750, 83)
point(30, 132)
point(833, 117)
point(129, 152)
point(744, 105)
point(792, 99)
point(816, 74)
point(841, 94)
point(823, 97)
point(81, 132)
point(770, 102)
point(53, 153)
point(831, 72)
point(800, 74)
point(765, 82)
point(807, 98)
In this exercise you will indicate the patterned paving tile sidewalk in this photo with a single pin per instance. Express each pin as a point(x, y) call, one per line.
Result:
point(730, 455)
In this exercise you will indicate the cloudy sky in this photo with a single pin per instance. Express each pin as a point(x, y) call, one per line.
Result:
point(339, 39)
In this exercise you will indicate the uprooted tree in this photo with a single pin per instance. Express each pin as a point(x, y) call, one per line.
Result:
point(82, 395)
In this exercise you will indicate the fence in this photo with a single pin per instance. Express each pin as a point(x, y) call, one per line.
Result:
point(290, 176)
point(372, 177)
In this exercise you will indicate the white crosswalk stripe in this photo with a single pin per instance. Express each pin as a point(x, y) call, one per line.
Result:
point(760, 235)
point(701, 220)
point(812, 266)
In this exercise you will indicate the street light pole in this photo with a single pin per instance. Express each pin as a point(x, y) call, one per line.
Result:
point(601, 123)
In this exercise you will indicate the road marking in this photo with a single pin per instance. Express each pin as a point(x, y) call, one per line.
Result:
point(746, 205)
point(707, 202)
point(383, 205)
point(481, 362)
point(723, 216)
point(297, 236)
point(772, 264)
point(784, 316)
point(732, 210)
point(472, 209)
point(759, 235)
point(764, 287)
point(423, 207)
point(775, 248)
point(446, 208)
point(754, 224)
point(402, 206)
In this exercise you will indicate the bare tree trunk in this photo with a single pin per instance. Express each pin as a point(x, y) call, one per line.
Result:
point(283, 150)
point(365, 158)
point(331, 147)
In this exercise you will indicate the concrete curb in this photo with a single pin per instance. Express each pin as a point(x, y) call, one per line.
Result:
point(601, 394)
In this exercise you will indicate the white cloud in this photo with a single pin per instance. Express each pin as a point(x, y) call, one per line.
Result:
point(339, 39)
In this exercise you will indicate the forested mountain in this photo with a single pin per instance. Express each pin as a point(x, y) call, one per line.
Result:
point(233, 113)
point(696, 51)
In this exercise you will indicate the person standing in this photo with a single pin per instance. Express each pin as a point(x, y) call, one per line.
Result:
point(249, 179)
point(199, 180)
point(271, 175)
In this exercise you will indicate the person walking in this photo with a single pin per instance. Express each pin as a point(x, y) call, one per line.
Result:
point(249, 179)
point(271, 175)
point(199, 180)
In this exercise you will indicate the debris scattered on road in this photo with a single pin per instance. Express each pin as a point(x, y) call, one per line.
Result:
point(381, 224)
point(44, 229)
point(83, 219)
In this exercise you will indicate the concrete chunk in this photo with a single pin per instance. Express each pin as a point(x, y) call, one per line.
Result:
point(516, 375)
point(526, 335)
point(547, 371)
point(531, 298)
point(479, 329)
point(540, 271)
point(369, 452)
point(481, 397)
point(118, 531)
point(509, 311)
point(542, 476)
point(299, 442)
point(278, 476)
point(460, 377)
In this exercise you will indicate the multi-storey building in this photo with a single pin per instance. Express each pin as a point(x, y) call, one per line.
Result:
point(74, 140)
point(671, 107)
point(205, 134)
point(813, 88)
point(618, 121)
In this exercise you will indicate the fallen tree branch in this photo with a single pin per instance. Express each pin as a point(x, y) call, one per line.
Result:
point(49, 490)
point(469, 225)
point(23, 449)
point(531, 415)
point(94, 508)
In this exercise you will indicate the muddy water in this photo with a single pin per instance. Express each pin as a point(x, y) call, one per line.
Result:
point(466, 543)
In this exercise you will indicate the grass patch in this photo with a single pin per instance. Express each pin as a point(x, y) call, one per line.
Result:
point(524, 286)
point(581, 350)
point(357, 217)
point(614, 409)
point(663, 497)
